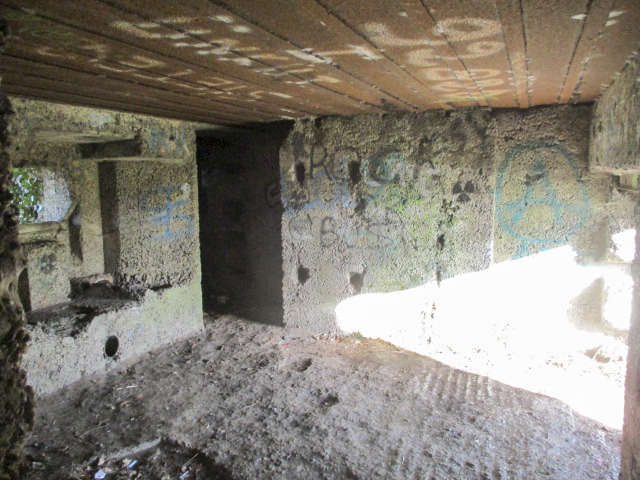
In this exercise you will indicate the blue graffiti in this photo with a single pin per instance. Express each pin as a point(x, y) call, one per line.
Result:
point(99, 119)
point(569, 214)
point(375, 235)
point(165, 141)
point(168, 212)
point(324, 193)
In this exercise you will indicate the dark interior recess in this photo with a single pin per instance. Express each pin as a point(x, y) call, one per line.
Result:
point(240, 221)
point(23, 290)
point(300, 171)
point(111, 346)
point(303, 275)
point(354, 173)
point(357, 281)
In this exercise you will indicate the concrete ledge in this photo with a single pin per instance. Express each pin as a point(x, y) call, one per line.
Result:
point(61, 136)
point(94, 336)
point(167, 160)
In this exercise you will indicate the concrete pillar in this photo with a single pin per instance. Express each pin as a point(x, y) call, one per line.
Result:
point(631, 430)
point(615, 148)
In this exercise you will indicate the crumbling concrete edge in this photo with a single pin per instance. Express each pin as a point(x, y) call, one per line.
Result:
point(17, 399)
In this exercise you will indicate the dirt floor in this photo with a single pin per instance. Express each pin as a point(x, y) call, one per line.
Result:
point(250, 401)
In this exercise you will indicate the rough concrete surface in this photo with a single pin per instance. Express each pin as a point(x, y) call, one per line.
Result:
point(150, 218)
point(73, 340)
point(56, 197)
point(477, 238)
point(376, 204)
point(141, 193)
point(16, 400)
point(631, 431)
point(88, 133)
point(545, 195)
point(382, 204)
point(615, 147)
point(615, 138)
point(48, 268)
point(257, 402)
point(132, 181)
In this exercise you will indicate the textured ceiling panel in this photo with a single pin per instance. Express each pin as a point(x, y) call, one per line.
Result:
point(242, 61)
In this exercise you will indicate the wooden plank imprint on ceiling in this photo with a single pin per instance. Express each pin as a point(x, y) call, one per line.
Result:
point(237, 62)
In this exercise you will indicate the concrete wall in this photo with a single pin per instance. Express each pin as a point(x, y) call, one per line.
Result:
point(150, 220)
point(545, 195)
point(124, 262)
point(479, 238)
point(382, 204)
point(377, 204)
point(72, 340)
point(615, 137)
point(49, 269)
point(241, 221)
point(631, 431)
point(615, 146)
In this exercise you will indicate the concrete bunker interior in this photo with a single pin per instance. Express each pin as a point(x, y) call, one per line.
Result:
point(95, 198)
point(321, 280)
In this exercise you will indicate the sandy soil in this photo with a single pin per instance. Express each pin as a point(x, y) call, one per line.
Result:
point(250, 401)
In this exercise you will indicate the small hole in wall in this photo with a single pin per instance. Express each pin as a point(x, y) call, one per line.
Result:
point(303, 275)
point(23, 290)
point(354, 172)
point(468, 187)
point(441, 241)
point(464, 198)
point(111, 346)
point(356, 280)
point(300, 173)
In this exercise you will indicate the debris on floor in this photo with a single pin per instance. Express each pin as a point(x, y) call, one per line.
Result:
point(163, 461)
point(250, 401)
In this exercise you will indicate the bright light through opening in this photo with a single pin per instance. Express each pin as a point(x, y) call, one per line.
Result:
point(543, 323)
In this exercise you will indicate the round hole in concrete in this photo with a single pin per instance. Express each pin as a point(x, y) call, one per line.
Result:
point(356, 280)
point(111, 346)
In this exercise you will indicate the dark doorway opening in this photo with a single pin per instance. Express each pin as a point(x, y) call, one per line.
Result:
point(240, 221)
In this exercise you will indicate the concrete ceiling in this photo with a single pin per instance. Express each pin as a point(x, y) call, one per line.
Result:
point(240, 61)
